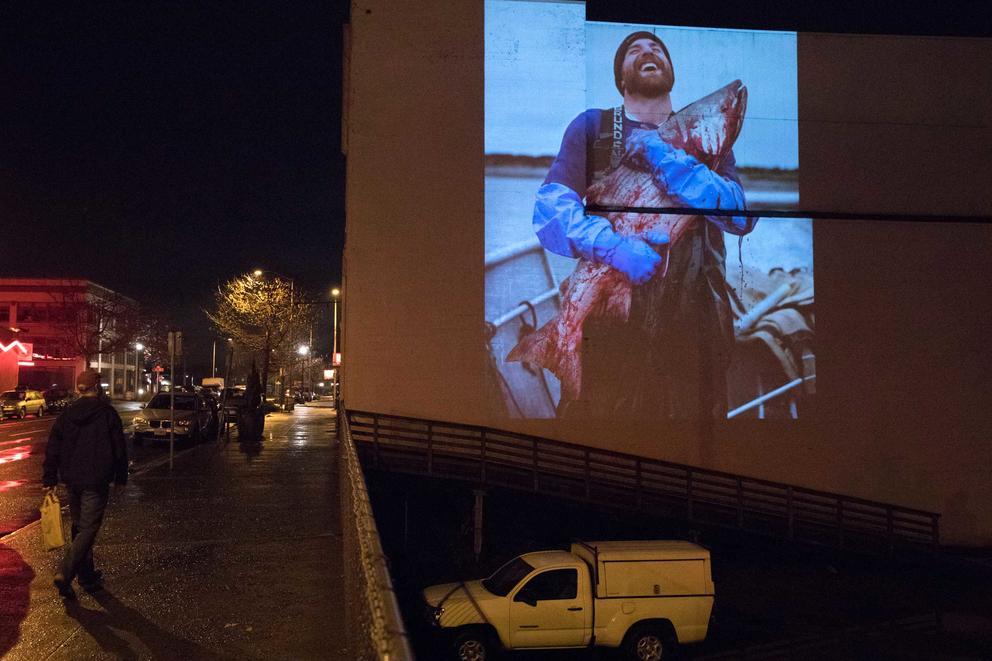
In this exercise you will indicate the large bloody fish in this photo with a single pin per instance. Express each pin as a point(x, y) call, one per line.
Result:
point(706, 129)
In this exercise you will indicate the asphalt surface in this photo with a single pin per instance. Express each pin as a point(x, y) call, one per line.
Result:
point(233, 554)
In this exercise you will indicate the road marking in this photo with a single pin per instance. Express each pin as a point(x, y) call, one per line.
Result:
point(15, 454)
point(16, 440)
point(22, 426)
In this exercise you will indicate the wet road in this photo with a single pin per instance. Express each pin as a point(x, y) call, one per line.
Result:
point(22, 451)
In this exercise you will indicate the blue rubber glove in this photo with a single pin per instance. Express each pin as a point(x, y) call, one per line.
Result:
point(561, 223)
point(634, 257)
point(686, 179)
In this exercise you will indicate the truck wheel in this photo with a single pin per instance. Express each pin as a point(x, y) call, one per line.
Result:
point(649, 643)
point(473, 646)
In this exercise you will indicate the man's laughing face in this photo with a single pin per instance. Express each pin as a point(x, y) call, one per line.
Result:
point(646, 70)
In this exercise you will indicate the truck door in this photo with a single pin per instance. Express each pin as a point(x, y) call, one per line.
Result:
point(549, 611)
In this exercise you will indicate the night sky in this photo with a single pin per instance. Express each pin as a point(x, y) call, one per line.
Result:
point(161, 148)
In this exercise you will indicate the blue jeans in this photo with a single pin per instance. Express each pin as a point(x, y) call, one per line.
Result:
point(86, 506)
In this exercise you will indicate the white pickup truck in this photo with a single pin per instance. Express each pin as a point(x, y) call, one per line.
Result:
point(644, 596)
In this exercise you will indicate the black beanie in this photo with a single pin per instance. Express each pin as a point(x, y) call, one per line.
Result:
point(622, 51)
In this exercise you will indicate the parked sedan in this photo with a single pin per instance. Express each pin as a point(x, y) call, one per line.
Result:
point(234, 401)
point(20, 403)
point(57, 399)
point(194, 419)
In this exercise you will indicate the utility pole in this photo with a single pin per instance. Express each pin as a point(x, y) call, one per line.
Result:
point(335, 293)
point(175, 347)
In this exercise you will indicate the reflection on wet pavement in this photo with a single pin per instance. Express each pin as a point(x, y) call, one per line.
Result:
point(233, 554)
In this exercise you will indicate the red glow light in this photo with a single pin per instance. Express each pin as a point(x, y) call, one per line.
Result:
point(16, 454)
point(13, 345)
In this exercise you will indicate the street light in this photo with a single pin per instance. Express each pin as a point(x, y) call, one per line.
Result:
point(303, 350)
point(138, 347)
point(335, 294)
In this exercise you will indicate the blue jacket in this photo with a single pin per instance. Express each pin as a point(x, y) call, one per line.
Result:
point(560, 220)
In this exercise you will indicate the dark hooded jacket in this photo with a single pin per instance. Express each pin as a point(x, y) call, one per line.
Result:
point(86, 446)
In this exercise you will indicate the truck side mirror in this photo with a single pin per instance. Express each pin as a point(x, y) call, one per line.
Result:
point(526, 597)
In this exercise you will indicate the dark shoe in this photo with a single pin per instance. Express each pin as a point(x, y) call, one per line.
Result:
point(64, 587)
point(92, 588)
point(93, 583)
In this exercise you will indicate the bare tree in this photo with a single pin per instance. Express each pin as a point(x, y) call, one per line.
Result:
point(89, 323)
point(262, 315)
point(153, 332)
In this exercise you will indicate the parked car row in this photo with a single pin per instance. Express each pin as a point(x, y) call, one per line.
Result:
point(198, 411)
point(303, 396)
point(22, 402)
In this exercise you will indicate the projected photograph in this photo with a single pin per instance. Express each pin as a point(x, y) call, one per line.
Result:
point(629, 270)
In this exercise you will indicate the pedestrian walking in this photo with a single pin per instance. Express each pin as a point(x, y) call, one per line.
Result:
point(86, 451)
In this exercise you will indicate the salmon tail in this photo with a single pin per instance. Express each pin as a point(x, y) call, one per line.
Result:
point(533, 348)
point(543, 347)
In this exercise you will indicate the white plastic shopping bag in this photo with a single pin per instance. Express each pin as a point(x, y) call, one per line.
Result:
point(51, 522)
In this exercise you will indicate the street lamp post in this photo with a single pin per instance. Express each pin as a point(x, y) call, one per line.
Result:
point(335, 294)
point(303, 350)
point(138, 348)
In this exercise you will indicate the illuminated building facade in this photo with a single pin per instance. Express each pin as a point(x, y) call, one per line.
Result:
point(48, 323)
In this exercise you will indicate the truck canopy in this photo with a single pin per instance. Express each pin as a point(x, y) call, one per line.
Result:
point(647, 568)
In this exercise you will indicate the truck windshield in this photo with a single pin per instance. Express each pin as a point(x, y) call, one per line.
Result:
point(503, 580)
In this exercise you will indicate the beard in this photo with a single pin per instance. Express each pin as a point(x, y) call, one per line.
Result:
point(651, 83)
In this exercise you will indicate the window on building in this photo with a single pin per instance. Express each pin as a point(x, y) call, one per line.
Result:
point(32, 313)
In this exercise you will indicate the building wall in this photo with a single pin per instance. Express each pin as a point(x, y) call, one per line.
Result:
point(24, 304)
point(887, 125)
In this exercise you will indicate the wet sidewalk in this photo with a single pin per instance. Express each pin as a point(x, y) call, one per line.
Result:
point(235, 554)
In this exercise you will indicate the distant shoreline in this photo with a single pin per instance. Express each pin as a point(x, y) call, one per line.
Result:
point(515, 165)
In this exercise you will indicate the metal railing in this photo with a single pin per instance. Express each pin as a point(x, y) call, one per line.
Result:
point(513, 251)
point(491, 457)
point(375, 627)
